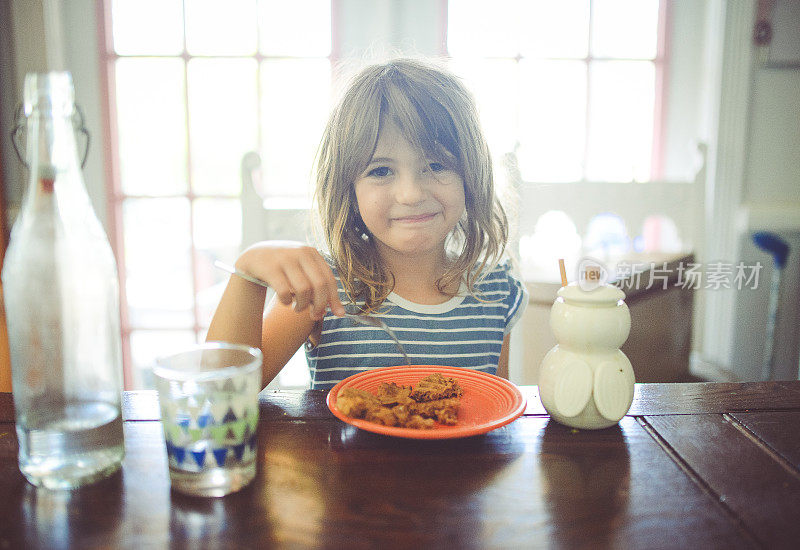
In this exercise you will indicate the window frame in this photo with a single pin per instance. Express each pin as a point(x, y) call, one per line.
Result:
point(116, 196)
point(661, 83)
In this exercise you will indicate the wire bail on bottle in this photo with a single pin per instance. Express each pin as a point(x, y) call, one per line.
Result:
point(78, 122)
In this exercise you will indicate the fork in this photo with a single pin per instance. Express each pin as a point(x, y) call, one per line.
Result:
point(366, 320)
point(371, 321)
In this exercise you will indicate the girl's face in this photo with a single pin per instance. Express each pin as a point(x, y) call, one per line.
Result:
point(409, 203)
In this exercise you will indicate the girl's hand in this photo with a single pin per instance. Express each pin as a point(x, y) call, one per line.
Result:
point(298, 273)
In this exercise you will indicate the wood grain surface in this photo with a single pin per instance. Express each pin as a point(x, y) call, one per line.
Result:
point(776, 429)
point(746, 477)
point(649, 399)
point(682, 479)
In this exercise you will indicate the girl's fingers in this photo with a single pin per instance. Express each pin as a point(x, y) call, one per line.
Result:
point(302, 287)
point(325, 289)
point(310, 287)
point(332, 290)
point(283, 290)
point(301, 275)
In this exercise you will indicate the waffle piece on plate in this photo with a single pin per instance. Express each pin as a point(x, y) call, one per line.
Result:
point(435, 398)
point(445, 411)
point(392, 394)
point(355, 402)
point(436, 386)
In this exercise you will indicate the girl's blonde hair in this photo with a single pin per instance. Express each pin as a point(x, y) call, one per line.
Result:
point(437, 115)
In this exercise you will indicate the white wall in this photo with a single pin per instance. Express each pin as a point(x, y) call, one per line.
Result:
point(770, 201)
point(688, 83)
point(52, 35)
point(772, 170)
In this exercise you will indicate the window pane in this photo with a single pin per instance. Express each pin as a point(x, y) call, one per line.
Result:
point(494, 84)
point(481, 28)
point(295, 103)
point(217, 236)
point(621, 121)
point(151, 124)
point(147, 27)
point(221, 28)
point(295, 374)
point(223, 111)
point(555, 29)
point(552, 120)
point(625, 28)
point(297, 28)
point(218, 227)
point(148, 345)
point(157, 262)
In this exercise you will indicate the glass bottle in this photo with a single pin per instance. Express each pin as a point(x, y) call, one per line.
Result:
point(62, 307)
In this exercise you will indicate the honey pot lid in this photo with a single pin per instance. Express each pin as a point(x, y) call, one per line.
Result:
point(602, 294)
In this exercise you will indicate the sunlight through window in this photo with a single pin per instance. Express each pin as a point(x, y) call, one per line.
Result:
point(198, 84)
point(568, 85)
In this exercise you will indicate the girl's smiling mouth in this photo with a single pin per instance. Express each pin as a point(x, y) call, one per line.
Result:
point(419, 218)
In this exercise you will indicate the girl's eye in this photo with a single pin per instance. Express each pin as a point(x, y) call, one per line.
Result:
point(436, 166)
point(379, 172)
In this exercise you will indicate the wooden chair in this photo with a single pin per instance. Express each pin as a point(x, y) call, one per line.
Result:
point(259, 222)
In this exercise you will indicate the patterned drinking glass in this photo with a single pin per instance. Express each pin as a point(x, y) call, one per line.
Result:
point(208, 396)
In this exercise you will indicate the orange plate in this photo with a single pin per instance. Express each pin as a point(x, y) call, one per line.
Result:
point(488, 401)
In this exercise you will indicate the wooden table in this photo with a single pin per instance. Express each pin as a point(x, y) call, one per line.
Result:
point(692, 466)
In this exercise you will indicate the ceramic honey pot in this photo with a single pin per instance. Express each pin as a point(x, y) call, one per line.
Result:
point(585, 380)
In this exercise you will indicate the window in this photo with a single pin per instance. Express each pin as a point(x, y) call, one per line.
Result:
point(194, 86)
point(571, 86)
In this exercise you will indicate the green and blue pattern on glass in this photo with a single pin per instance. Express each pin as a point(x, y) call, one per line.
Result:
point(210, 424)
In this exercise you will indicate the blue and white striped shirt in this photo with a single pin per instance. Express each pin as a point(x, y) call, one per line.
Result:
point(465, 332)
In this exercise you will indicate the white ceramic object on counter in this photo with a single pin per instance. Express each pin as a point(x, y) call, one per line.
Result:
point(586, 381)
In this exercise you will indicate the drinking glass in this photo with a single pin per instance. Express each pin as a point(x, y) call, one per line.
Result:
point(208, 396)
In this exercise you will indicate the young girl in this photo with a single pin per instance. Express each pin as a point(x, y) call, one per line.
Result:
point(414, 232)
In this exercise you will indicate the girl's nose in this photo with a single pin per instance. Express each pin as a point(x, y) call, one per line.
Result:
point(410, 189)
